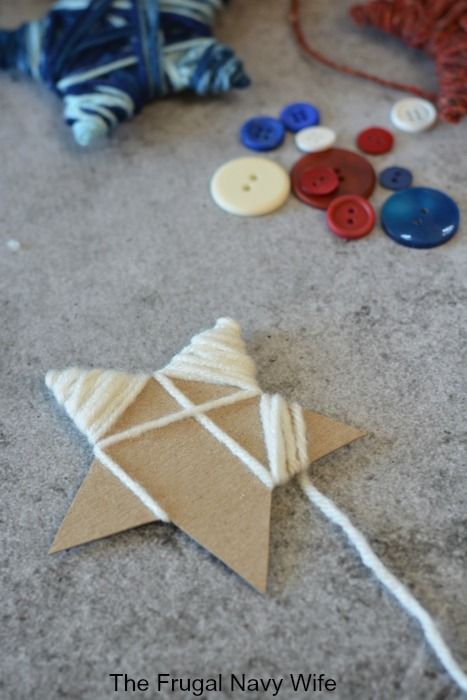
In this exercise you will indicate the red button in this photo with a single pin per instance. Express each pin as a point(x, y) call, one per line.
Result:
point(351, 217)
point(354, 172)
point(319, 181)
point(375, 141)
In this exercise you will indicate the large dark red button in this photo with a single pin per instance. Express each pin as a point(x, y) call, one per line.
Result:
point(375, 141)
point(350, 217)
point(319, 181)
point(354, 172)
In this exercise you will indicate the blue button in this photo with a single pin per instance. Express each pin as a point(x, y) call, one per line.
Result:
point(262, 133)
point(299, 115)
point(395, 178)
point(420, 217)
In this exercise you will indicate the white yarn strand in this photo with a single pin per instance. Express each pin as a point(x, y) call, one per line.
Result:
point(388, 580)
point(190, 412)
point(95, 399)
point(243, 455)
point(216, 356)
point(132, 485)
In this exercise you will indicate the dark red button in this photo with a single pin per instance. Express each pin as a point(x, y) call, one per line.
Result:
point(354, 172)
point(375, 141)
point(319, 181)
point(350, 217)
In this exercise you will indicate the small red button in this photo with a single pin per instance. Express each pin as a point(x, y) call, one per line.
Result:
point(319, 181)
point(375, 141)
point(350, 216)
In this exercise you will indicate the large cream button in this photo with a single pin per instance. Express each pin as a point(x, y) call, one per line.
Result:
point(250, 186)
point(314, 139)
point(412, 114)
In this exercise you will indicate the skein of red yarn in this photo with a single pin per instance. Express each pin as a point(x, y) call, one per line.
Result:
point(438, 27)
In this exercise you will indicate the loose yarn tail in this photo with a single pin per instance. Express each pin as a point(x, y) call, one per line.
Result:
point(439, 27)
point(391, 582)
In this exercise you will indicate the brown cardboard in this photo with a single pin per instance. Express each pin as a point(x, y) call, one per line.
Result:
point(201, 485)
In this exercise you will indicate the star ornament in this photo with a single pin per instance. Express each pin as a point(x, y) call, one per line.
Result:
point(107, 58)
point(196, 443)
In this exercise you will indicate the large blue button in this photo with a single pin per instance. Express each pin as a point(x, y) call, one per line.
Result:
point(299, 115)
point(395, 178)
point(420, 217)
point(262, 133)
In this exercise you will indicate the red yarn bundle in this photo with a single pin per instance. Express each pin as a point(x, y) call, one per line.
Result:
point(438, 27)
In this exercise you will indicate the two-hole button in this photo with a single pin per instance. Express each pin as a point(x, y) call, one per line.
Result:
point(420, 217)
point(350, 217)
point(395, 178)
point(250, 186)
point(375, 141)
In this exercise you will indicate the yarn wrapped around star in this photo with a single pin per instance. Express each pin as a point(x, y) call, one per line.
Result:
point(106, 59)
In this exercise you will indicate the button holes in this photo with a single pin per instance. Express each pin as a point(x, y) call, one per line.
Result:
point(417, 222)
point(253, 177)
point(351, 210)
point(350, 222)
point(423, 211)
point(246, 188)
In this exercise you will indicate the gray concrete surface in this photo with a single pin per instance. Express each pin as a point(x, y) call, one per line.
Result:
point(124, 257)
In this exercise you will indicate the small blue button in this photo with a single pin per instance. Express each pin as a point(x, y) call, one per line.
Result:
point(395, 178)
point(420, 217)
point(299, 115)
point(262, 133)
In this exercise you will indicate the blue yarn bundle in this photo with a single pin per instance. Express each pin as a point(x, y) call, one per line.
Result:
point(107, 58)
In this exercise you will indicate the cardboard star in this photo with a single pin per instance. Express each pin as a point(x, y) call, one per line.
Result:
point(107, 59)
point(188, 445)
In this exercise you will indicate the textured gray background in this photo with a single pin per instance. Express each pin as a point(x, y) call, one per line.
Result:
point(124, 258)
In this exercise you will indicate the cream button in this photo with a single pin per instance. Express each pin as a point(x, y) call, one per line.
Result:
point(250, 186)
point(412, 114)
point(315, 138)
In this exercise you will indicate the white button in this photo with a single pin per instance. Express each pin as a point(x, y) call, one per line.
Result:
point(250, 186)
point(412, 114)
point(315, 138)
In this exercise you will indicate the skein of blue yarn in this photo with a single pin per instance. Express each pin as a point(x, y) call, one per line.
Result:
point(107, 58)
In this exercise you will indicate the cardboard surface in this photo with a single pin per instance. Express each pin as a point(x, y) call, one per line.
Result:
point(205, 490)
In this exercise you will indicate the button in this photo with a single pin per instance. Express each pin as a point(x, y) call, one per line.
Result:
point(262, 133)
point(250, 186)
point(412, 114)
point(299, 115)
point(375, 141)
point(350, 217)
point(354, 172)
point(420, 217)
point(315, 139)
point(319, 181)
point(395, 178)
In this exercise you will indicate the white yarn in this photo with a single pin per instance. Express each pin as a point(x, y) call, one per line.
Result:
point(216, 356)
point(190, 412)
point(243, 455)
point(132, 485)
point(384, 576)
point(94, 399)
point(285, 437)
